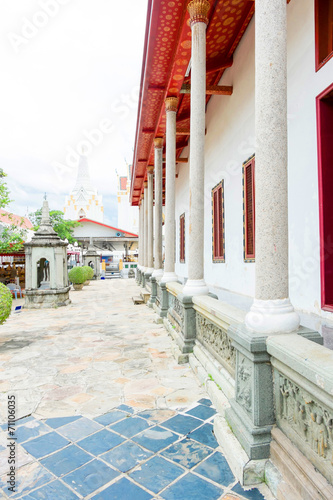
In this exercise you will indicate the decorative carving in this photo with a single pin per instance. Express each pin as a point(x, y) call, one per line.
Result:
point(244, 378)
point(150, 169)
point(171, 104)
point(176, 313)
point(217, 341)
point(198, 10)
point(145, 184)
point(309, 419)
point(158, 143)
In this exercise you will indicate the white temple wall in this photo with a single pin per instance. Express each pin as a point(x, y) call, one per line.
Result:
point(230, 140)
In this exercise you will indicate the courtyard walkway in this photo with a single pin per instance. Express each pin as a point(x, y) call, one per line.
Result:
point(103, 410)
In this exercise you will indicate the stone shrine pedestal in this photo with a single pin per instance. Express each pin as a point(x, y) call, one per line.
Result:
point(46, 267)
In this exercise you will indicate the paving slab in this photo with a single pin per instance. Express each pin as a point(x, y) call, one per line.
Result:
point(105, 410)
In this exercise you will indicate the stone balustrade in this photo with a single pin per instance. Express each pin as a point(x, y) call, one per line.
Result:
point(303, 400)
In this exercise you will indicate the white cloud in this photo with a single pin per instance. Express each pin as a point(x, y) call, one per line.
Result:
point(83, 66)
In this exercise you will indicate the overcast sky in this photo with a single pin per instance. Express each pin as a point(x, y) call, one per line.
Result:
point(69, 68)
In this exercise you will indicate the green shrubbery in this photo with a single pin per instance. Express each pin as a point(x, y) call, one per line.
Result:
point(77, 275)
point(6, 300)
point(89, 272)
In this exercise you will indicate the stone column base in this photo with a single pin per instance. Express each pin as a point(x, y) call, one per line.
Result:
point(180, 323)
point(153, 293)
point(43, 299)
point(161, 304)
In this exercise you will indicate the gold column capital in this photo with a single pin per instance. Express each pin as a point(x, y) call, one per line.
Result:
point(150, 169)
point(145, 184)
point(171, 104)
point(158, 143)
point(198, 10)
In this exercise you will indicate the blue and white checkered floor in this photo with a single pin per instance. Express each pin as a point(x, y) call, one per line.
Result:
point(124, 454)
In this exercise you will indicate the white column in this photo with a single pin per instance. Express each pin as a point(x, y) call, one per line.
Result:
point(272, 311)
point(169, 274)
point(145, 204)
point(142, 233)
point(195, 284)
point(150, 250)
point(158, 271)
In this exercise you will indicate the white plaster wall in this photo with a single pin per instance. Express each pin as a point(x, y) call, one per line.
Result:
point(90, 229)
point(230, 140)
point(182, 206)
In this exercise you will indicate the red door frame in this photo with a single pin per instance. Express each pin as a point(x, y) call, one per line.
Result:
point(324, 306)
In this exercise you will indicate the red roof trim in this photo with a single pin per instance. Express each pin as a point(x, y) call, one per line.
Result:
point(105, 225)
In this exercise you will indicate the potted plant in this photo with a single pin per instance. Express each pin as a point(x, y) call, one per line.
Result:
point(89, 274)
point(6, 300)
point(77, 276)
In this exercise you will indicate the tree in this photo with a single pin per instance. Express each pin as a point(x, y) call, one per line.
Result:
point(63, 227)
point(12, 235)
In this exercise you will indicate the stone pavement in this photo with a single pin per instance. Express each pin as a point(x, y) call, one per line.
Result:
point(103, 410)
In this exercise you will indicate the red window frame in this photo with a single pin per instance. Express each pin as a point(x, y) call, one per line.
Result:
point(323, 32)
point(182, 238)
point(324, 105)
point(249, 210)
point(218, 249)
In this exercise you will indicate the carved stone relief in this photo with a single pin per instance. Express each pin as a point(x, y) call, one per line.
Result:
point(176, 313)
point(216, 340)
point(309, 419)
point(244, 383)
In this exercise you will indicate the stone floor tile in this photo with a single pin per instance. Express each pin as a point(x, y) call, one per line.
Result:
point(22, 458)
point(90, 477)
point(251, 494)
point(204, 435)
point(126, 456)
point(52, 491)
point(79, 429)
point(201, 411)
point(31, 429)
point(110, 417)
point(125, 408)
point(123, 490)
point(157, 416)
point(155, 438)
point(60, 421)
point(187, 452)
point(100, 442)
point(29, 477)
point(130, 426)
point(156, 474)
point(182, 424)
point(205, 401)
point(217, 469)
point(44, 445)
point(66, 460)
point(196, 488)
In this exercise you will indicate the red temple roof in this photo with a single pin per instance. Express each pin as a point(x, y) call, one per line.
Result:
point(166, 59)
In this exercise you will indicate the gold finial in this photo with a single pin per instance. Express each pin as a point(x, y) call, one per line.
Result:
point(171, 104)
point(158, 143)
point(150, 169)
point(198, 10)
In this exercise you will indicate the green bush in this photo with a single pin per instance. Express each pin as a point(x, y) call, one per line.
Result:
point(89, 272)
point(77, 275)
point(6, 300)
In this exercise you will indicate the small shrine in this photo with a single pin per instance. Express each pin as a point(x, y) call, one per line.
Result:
point(46, 267)
point(92, 258)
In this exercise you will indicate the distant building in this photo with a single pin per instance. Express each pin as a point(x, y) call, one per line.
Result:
point(84, 200)
point(128, 216)
point(8, 219)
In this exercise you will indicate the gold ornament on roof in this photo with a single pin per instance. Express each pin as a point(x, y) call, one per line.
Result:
point(171, 104)
point(198, 10)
